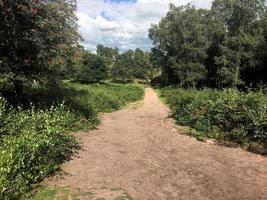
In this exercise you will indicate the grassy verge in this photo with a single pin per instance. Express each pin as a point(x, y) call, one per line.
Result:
point(109, 97)
point(227, 115)
point(90, 194)
point(36, 138)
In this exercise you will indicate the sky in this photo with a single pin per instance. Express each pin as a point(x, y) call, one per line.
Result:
point(123, 23)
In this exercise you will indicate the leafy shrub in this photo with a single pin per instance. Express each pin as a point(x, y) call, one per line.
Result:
point(107, 97)
point(225, 115)
point(74, 99)
point(33, 144)
point(2, 109)
point(87, 99)
point(36, 138)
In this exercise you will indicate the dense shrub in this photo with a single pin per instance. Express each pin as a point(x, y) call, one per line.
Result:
point(33, 144)
point(2, 109)
point(225, 115)
point(108, 97)
point(88, 99)
point(35, 138)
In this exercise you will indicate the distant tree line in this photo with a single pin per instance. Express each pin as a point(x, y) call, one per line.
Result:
point(109, 63)
point(225, 46)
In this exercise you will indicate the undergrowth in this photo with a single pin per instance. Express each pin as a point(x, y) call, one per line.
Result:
point(228, 115)
point(36, 137)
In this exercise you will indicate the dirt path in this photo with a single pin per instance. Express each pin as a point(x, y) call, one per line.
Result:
point(141, 151)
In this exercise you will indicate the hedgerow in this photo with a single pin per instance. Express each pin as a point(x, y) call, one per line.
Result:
point(228, 115)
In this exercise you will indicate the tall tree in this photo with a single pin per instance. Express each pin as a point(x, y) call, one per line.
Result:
point(142, 66)
point(256, 74)
point(108, 53)
point(123, 68)
point(36, 37)
point(243, 36)
point(92, 69)
point(215, 34)
point(221, 47)
point(181, 40)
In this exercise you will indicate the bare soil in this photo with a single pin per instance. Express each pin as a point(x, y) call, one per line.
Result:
point(143, 152)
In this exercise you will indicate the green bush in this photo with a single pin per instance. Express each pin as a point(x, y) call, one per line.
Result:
point(87, 99)
point(33, 144)
point(228, 115)
point(36, 137)
point(2, 109)
point(107, 97)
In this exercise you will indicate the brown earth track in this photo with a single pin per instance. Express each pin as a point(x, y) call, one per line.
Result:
point(142, 151)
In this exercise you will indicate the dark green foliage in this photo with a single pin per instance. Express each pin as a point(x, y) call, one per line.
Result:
point(125, 67)
point(238, 51)
point(122, 70)
point(131, 65)
point(107, 53)
point(142, 66)
point(257, 73)
point(181, 40)
point(92, 69)
point(37, 38)
point(218, 48)
point(221, 47)
point(76, 100)
point(225, 115)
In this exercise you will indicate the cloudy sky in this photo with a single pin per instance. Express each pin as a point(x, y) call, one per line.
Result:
point(123, 23)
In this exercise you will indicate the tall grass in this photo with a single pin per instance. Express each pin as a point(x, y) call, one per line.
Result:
point(228, 115)
point(36, 137)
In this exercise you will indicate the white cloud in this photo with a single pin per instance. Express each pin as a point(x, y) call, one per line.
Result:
point(124, 25)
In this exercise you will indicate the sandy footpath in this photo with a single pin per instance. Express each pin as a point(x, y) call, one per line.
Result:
point(142, 151)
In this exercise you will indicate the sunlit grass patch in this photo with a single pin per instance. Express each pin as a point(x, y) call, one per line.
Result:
point(81, 194)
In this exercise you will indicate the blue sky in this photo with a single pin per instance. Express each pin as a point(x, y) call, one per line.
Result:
point(123, 23)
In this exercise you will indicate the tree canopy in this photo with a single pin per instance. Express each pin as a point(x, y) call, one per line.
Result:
point(218, 47)
point(92, 69)
point(132, 64)
point(37, 39)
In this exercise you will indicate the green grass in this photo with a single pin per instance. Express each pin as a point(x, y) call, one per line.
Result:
point(53, 194)
point(228, 115)
point(36, 137)
point(76, 194)
point(87, 100)
point(109, 97)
